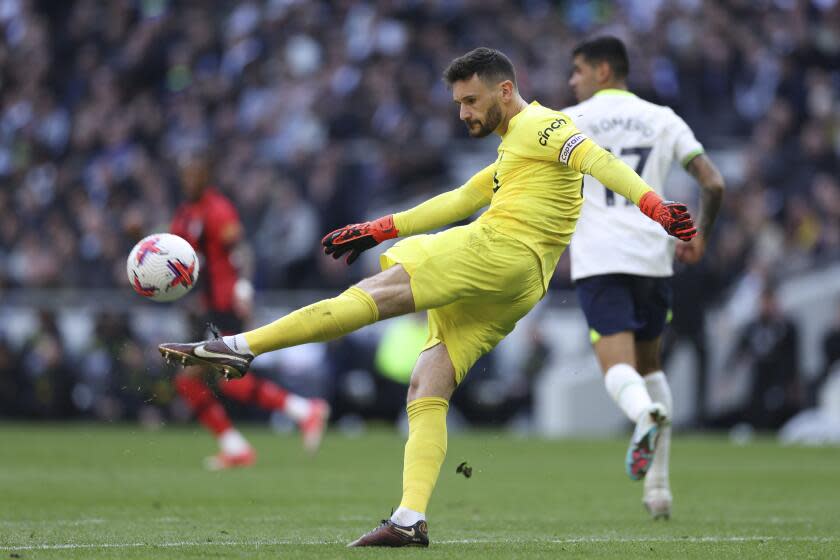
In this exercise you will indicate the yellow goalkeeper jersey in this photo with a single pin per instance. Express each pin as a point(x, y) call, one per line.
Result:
point(535, 185)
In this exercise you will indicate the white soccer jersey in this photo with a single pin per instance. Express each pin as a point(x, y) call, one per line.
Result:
point(612, 235)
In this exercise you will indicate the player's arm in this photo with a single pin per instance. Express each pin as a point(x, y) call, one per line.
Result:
point(448, 207)
point(591, 159)
point(711, 193)
point(560, 140)
point(232, 236)
point(444, 209)
point(241, 253)
point(712, 187)
point(243, 260)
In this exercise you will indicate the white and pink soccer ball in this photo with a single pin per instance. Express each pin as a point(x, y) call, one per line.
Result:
point(162, 267)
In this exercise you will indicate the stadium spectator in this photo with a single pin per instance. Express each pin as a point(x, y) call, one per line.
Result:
point(46, 373)
point(10, 381)
point(769, 346)
point(112, 380)
point(94, 116)
point(831, 357)
point(831, 345)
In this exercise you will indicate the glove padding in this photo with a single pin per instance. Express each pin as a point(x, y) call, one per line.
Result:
point(357, 238)
point(673, 216)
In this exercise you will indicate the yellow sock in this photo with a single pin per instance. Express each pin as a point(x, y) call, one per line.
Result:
point(319, 322)
point(425, 450)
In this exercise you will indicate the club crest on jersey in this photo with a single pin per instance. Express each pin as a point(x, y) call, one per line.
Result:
point(543, 135)
point(496, 184)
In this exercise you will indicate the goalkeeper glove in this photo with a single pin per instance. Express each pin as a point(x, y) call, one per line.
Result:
point(673, 216)
point(356, 238)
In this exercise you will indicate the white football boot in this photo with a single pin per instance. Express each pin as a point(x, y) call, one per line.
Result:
point(643, 443)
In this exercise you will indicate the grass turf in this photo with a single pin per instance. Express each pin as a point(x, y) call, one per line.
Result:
point(82, 491)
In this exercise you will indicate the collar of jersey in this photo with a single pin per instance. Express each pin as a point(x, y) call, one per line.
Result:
point(614, 91)
point(515, 117)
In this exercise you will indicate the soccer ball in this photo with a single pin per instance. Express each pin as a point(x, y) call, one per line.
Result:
point(162, 267)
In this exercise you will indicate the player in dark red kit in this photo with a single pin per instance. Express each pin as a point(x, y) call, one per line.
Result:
point(210, 222)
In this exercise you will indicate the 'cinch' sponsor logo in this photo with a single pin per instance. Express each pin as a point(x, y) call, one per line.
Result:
point(543, 135)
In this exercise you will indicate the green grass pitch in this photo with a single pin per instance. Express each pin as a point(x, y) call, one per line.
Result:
point(83, 491)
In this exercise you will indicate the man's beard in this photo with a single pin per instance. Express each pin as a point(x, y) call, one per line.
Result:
point(491, 123)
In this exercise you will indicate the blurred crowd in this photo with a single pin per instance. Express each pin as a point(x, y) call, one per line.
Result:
point(317, 111)
point(321, 113)
point(117, 374)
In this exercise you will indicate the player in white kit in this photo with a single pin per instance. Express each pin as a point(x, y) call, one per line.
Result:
point(622, 262)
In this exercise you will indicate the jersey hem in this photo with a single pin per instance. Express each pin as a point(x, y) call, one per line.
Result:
point(607, 273)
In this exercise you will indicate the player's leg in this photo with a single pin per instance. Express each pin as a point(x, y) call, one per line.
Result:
point(617, 356)
point(234, 450)
point(610, 304)
point(311, 415)
point(459, 334)
point(385, 295)
point(653, 307)
point(498, 281)
point(657, 497)
point(628, 390)
point(432, 385)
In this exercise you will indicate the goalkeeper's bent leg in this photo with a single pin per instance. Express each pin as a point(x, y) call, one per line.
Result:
point(425, 451)
point(319, 322)
point(432, 384)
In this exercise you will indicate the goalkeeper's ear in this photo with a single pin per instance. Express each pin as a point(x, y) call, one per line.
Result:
point(507, 92)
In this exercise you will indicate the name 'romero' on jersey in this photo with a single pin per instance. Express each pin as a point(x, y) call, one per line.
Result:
point(612, 236)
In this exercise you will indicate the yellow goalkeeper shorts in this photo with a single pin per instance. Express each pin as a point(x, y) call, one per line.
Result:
point(475, 283)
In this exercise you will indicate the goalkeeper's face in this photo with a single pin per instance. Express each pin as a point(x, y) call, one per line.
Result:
point(481, 106)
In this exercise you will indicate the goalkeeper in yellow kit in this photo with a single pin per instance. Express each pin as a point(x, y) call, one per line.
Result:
point(476, 281)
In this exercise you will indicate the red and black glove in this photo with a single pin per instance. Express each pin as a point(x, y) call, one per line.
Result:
point(356, 238)
point(673, 216)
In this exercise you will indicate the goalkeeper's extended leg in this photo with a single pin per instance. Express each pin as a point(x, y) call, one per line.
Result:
point(387, 294)
point(432, 384)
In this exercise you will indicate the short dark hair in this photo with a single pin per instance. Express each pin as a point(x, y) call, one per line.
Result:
point(606, 49)
point(489, 64)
